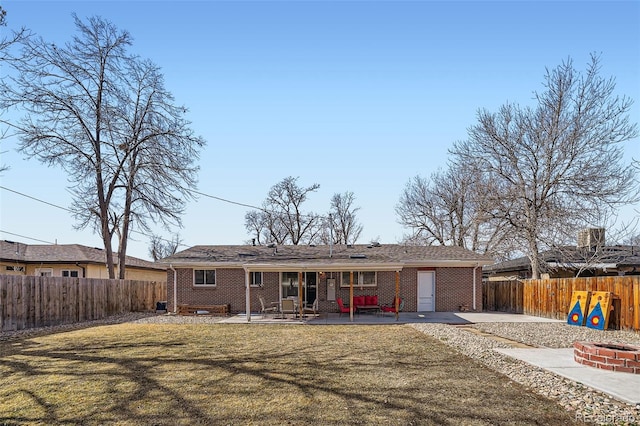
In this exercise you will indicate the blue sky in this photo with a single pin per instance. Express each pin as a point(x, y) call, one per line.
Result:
point(356, 96)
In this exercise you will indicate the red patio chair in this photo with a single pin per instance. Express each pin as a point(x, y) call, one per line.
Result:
point(342, 309)
point(392, 308)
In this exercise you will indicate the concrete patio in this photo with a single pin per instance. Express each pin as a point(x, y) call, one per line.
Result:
point(454, 318)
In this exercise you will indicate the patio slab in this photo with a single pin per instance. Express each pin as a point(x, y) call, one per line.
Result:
point(453, 318)
point(622, 386)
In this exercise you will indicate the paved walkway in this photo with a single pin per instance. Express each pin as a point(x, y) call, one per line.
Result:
point(622, 386)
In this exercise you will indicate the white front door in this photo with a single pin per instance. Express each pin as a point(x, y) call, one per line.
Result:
point(426, 287)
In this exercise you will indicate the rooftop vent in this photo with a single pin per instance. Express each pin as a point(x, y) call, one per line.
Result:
point(246, 254)
point(591, 238)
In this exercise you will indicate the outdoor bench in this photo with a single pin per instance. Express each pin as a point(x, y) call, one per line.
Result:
point(366, 303)
point(214, 310)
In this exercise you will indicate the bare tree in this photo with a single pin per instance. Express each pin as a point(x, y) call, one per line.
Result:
point(346, 229)
point(160, 248)
point(105, 117)
point(632, 240)
point(265, 226)
point(559, 165)
point(282, 219)
point(5, 43)
point(450, 208)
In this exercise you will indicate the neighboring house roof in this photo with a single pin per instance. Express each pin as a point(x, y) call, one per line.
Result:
point(65, 253)
point(337, 257)
point(573, 258)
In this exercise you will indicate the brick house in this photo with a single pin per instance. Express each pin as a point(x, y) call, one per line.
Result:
point(428, 278)
point(70, 260)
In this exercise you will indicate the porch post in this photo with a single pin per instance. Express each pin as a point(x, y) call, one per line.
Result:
point(351, 296)
point(300, 294)
point(247, 295)
point(396, 299)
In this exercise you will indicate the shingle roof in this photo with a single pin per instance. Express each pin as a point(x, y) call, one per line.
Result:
point(361, 254)
point(64, 253)
point(618, 255)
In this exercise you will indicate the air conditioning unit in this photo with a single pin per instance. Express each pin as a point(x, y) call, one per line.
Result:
point(591, 238)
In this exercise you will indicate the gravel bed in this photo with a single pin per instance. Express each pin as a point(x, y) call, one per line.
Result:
point(557, 334)
point(114, 319)
point(591, 406)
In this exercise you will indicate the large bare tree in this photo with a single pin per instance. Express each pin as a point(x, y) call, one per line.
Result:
point(104, 116)
point(159, 248)
point(450, 208)
point(6, 41)
point(345, 225)
point(282, 219)
point(559, 165)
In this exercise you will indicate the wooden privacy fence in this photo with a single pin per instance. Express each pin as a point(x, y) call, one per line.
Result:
point(504, 296)
point(551, 298)
point(30, 301)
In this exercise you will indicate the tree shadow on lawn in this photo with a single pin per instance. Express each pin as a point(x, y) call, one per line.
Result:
point(244, 374)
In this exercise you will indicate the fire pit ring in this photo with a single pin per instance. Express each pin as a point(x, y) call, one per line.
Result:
point(608, 356)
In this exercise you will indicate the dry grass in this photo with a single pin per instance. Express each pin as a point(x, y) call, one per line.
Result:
point(255, 374)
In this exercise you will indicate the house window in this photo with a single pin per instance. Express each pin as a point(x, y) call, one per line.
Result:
point(44, 272)
point(360, 279)
point(255, 279)
point(70, 273)
point(289, 284)
point(204, 277)
point(15, 268)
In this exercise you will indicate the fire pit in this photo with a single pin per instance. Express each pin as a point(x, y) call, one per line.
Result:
point(608, 356)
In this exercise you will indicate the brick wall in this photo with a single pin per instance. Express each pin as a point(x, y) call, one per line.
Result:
point(229, 289)
point(453, 287)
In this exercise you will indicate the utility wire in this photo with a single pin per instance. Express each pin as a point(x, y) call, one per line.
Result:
point(228, 201)
point(36, 199)
point(67, 210)
point(134, 231)
point(24, 236)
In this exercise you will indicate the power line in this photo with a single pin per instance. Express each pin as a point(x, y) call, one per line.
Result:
point(139, 232)
point(24, 236)
point(36, 199)
point(228, 201)
point(69, 211)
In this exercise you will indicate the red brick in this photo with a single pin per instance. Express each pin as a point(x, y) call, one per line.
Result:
point(607, 367)
point(587, 363)
point(590, 349)
point(596, 358)
point(624, 369)
point(630, 363)
point(628, 355)
point(606, 352)
point(615, 361)
point(579, 346)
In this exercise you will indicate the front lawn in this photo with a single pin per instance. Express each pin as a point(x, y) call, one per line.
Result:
point(229, 374)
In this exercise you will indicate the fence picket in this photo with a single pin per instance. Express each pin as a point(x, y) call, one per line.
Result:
point(551, 297)
point(30, 301)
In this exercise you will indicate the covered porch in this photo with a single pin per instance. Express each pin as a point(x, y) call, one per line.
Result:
point(305, 279)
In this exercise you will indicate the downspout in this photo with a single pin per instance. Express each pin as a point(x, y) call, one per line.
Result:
point(247, 295)
point(84, 271)
point(175, 289)
point(474, 285)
